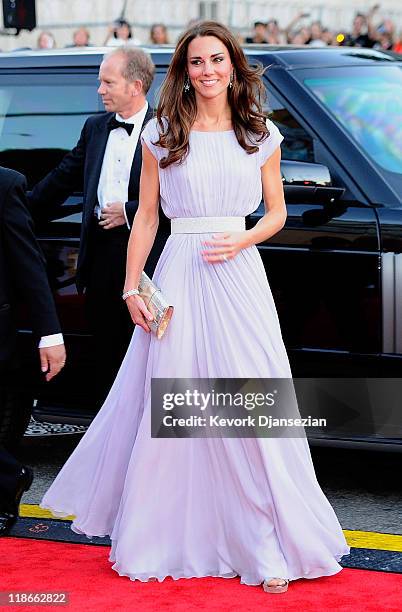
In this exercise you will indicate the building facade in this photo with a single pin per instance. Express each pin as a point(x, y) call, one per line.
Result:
point(62, 17)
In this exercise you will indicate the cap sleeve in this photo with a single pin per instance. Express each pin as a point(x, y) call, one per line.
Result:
point(150, 135)
point(271, 143)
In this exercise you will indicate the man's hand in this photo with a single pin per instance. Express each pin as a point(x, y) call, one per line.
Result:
point(112, 215)
point(52, 360)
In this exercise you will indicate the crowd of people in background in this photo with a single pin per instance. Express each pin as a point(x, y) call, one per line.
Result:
point(363, 34)
point(120, 32)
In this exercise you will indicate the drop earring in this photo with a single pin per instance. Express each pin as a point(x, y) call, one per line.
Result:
point(231, 80)
point(187, 85)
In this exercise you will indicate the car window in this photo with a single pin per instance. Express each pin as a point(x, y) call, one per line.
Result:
point(297, 143)
point(41, 118)
point(154, 92)
point(368, 104)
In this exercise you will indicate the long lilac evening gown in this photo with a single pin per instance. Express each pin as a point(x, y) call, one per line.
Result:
point(204, 506)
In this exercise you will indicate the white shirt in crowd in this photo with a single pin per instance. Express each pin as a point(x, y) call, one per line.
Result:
point(120, 42)
point(114, 178)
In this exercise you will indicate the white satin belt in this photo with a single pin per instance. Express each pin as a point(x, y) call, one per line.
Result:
point(205, 225)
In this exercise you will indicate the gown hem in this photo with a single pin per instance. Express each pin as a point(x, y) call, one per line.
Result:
point(145, 577)
point(150, 576)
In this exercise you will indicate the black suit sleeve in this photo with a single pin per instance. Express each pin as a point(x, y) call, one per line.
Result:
point(131, 209)
point(50, 193)
point(25, 262)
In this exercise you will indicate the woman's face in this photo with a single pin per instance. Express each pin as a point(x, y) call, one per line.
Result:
point(209, 66)
point(123, 32)
point(159, 35)
point(45, 41)
point(316, 30)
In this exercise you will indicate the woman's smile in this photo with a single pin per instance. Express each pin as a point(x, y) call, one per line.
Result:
point(209, 82)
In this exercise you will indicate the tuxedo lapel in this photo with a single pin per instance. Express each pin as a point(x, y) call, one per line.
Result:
point(95, 159)
point(134, 183)
point(101, 136)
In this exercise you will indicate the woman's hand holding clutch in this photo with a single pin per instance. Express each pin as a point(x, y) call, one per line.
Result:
point(139, 312)
point(149, 308)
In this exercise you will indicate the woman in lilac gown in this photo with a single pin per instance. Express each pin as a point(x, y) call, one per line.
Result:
point(193, 507)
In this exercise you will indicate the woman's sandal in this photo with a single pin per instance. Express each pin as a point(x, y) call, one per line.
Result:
point(275, 588)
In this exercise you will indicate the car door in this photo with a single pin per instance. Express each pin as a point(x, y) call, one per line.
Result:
point(323, 266)
point(43, 113)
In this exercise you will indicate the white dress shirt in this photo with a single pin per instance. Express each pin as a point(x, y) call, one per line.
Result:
point(117, 161)
point(52, 340)
point(120, 42)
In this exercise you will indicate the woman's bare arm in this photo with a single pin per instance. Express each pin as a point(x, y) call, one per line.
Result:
point(142, 235)
point(274, 200)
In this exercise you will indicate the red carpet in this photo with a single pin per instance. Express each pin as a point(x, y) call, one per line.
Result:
point(85, 572)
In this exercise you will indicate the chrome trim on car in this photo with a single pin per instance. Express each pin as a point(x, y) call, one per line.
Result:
point(391, 285)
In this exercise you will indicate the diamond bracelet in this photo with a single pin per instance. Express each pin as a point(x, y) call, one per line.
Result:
point(128, 293)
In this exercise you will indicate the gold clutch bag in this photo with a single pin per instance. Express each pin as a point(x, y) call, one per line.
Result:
point(157, 305)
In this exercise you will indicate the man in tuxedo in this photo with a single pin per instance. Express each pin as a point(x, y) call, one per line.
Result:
point(106, 164)
point(22, 276)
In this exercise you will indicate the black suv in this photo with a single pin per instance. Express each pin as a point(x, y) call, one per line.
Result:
point(336, 267)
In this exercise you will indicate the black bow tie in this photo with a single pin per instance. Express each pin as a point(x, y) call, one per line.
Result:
point(114, 124)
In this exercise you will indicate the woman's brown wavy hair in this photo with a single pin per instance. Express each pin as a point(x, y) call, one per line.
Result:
point(179, 107)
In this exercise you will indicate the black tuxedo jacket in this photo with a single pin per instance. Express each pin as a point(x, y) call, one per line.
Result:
point(80, 170)
point(22, 268)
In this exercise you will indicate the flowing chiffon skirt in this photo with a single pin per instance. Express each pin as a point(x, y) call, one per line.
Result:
point(202, 506)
